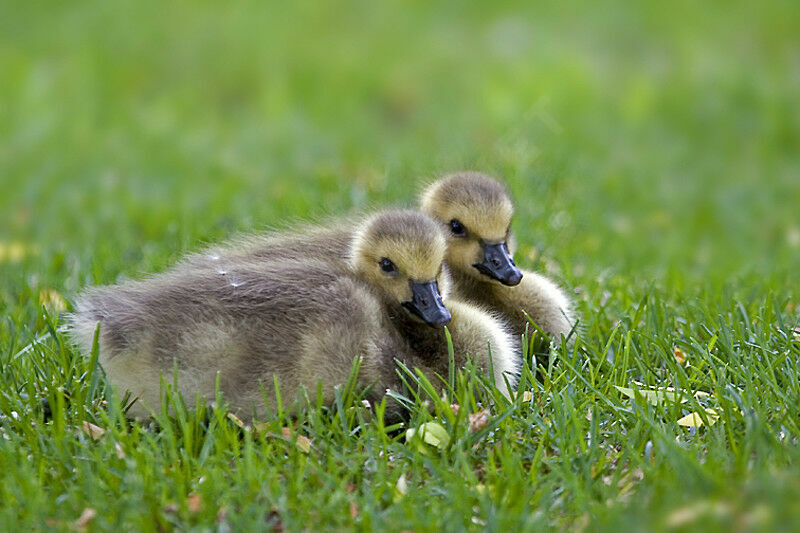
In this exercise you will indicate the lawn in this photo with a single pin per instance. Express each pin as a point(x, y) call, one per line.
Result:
point(653, 150)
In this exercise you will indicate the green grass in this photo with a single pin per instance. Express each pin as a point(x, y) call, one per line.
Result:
point(652, 151)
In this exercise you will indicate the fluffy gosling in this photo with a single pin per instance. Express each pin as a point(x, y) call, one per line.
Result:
point(249, 315)
point(476, 212)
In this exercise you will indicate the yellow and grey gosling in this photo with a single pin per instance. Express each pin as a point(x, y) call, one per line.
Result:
point(330, 241)
point(476, 212)
point(250, 316)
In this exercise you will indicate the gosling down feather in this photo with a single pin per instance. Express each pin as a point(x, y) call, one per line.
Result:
point(294, 308)
point(476, 212)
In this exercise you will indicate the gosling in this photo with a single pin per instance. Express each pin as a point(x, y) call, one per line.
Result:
point(476, 212)
point(247, 317)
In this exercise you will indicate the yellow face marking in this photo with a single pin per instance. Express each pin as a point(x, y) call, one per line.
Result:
point(480, 204)
point(416, 250)
point(487, 223)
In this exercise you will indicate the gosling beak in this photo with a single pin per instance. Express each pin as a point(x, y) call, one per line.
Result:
point(427, 304)
point(497, 264)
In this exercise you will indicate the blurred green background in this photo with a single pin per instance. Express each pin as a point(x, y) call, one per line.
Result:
point(653, 149)
point(639, 139)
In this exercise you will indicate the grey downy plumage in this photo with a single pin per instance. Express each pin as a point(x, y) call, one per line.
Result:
point(290, 306)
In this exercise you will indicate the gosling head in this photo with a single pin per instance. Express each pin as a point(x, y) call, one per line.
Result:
point(401, 252)
point(476, 211)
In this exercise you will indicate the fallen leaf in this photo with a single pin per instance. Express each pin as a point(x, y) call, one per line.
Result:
point(653, 397)
point(260, 427)
point(52, 300)
point(527, 396)
point(680, 357)
point(657, 396)
point(431, 433)
point(194, 502)
point(120, 452)
point(694, 420)
point(478, 421)
point(86, 516)
point(303, 442)
point(354, 510)
point(95, 432)
point(236, 420)
point(400, 488)
point(455, 407)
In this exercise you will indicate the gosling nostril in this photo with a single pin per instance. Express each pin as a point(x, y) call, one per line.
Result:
point(424, 302)
point(495, 262)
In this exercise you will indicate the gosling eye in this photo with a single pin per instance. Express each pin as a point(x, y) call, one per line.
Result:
point(457, 228)
point(387, 266)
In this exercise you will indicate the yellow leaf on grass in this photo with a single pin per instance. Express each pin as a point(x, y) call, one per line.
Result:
point(95, 432)
point(52, 300)
point(236, 420)
point(656, 396)
point(303, 442)
point(694, 419)
point(653, 397)
point(431, 433)
point(400, 488)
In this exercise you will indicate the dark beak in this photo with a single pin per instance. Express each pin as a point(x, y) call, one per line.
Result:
point(427, 304)
point(497, 264)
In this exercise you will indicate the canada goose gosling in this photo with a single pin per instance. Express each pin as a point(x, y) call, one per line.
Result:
point(476, 212)
point(248, 319)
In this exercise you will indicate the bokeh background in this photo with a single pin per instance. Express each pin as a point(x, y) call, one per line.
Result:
point(653, 149)
point(638, 138)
